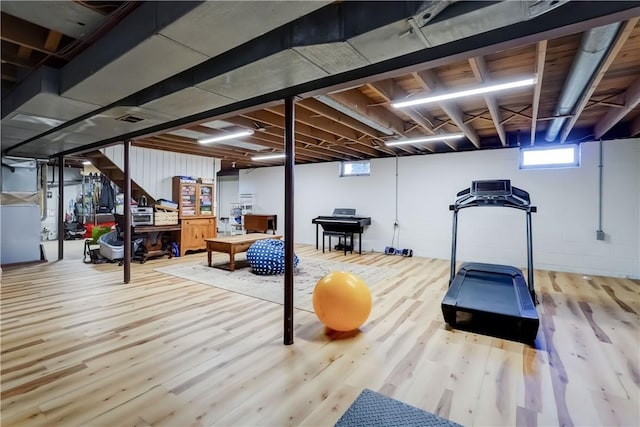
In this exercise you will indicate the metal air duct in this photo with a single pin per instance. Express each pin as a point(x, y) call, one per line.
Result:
point(594, 46)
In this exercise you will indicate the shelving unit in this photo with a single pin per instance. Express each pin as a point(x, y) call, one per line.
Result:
point(238, 210)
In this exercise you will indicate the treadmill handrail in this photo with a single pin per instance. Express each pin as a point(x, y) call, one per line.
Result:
point(519, 199)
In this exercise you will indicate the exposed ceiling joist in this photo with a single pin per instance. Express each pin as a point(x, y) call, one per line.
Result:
point(25, 62)
point(430, 82)
point(481, 73)
point(390, 91)
point(304, 116)
point(318, 137)
point(275, 135)
point(356, 100)
point(23, 33)
point(318, 107)
point(53, 41)
point(620, 40)
point(541, 55)
point(631, 100)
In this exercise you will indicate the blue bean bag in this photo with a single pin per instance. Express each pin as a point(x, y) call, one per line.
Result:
point(266, 257)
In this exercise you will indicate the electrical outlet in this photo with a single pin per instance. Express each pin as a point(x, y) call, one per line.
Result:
point(599, 235)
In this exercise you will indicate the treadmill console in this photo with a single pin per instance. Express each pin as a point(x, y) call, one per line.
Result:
point(494, 188)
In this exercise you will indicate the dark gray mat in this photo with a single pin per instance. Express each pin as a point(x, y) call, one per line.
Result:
point(373, 409)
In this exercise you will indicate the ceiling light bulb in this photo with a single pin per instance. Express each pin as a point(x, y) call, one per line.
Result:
point(432, 138)
point(224, 137)
point(478, 90)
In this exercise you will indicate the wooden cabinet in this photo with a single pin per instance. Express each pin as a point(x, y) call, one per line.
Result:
point(196, 210)
point(194, 200)
point(193, 233)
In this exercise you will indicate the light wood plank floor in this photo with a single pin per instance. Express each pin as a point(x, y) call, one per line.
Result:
point(79, 348)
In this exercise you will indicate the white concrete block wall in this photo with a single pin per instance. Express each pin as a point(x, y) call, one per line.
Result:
point(564, 227)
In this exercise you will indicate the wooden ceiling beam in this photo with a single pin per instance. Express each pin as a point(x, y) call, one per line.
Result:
point(318, 107)
point(318, 137)
point(631, 100)
point(430, 82)
point(390, 90)
point(29, 63)
point(307, 117)
point(481, 73)
point(312, 150)
point(265, 116)
point(23, 33)
point(219, 149)
point(359, 102)
point(541, 57)
point(620, 40)
point(276, 130)
point(263, 139)
point(53, 41)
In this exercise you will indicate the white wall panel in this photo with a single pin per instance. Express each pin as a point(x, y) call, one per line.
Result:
point(154, 169)
point(564, 227)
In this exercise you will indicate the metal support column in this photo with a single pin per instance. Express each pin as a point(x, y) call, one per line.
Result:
point(289, 145)
point(127, 213)
point(61, 210)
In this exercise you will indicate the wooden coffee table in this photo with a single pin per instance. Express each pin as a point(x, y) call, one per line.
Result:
point(233, 245)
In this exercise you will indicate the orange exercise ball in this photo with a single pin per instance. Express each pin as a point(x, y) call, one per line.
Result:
point(342, 301)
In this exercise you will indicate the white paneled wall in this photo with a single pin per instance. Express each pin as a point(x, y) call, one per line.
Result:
point(154, 169)
point(564, 227)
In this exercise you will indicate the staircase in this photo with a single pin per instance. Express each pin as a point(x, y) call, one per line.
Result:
point(116, 175)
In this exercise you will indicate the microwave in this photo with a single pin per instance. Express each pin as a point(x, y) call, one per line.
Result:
point(141, 216)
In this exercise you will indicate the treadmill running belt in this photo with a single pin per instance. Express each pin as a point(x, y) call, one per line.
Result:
point(487, 291)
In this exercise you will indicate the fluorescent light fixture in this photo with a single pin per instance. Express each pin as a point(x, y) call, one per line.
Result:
point(479, 90)
point(224, 137)
point(86, 162)
point(433, 138)
point(269, 157)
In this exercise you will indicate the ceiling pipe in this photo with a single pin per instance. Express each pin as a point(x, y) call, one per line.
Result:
point(594, 46)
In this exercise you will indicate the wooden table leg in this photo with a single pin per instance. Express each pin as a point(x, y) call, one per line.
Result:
point(209, 256)
point(232, 259)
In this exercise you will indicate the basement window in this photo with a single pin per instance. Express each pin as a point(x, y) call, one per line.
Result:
point(557, 156)
point(356, 168)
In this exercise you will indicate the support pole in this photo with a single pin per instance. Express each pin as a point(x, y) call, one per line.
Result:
point(61, 210)
point(289, 136)
point(127, 213)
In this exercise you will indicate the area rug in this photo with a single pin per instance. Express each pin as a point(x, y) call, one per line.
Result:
point(373, 409)
point(270, 288)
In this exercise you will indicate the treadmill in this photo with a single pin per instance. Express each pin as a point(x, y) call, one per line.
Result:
point(490, 298)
